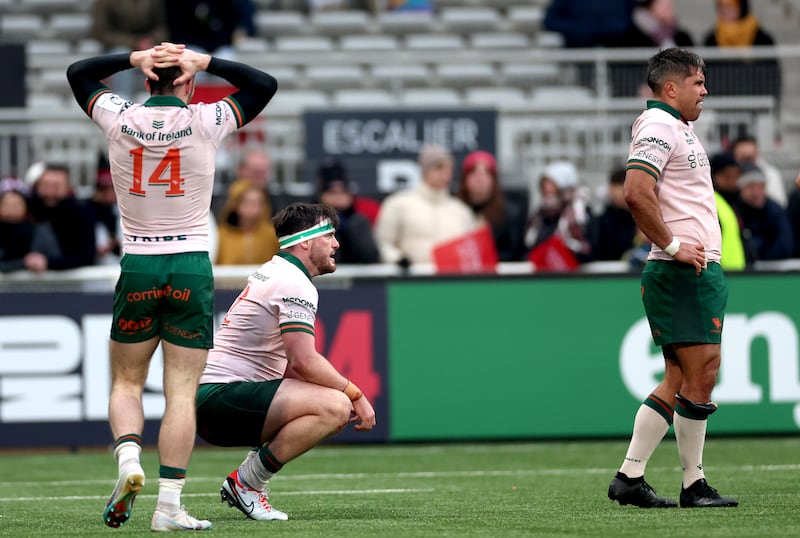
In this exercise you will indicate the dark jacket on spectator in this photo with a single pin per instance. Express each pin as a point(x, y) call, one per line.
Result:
point(769, 228)
point(73, 224)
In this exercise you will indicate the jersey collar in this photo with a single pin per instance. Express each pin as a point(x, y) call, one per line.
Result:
point(652, 103)
point(164, 100)
point(294, 261)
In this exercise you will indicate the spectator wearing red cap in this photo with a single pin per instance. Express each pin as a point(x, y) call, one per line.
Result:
point(480, 189)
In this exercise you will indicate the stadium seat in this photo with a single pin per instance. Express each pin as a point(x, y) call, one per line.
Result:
point(404, 22)
point(334, 76)
point(499, 40)
point(295, 102)
point(47, 46)
point(436, 41)
point(461, 74)
point(430, 97)
point(250, 44)
point(45, 101)
point(339, 22)
point(368, 42)
point(397, 76)
point(270, 23)
point(303, 44)
point(286, 75)
point(88, 47)
point(526, 19)
point(548, 40)
point(70, 25)
point(529, 73)
point(52, 80)
point(495, 97)
point(363, 99)
point(20, 28)
point(561, 95)
point(470, 19)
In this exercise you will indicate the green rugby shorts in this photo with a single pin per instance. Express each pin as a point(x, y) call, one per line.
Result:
point(681, 306)
point(167, 295)
point(233, 414)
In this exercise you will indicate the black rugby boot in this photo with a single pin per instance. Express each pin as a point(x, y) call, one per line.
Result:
point(636, 492)
point(701, 495)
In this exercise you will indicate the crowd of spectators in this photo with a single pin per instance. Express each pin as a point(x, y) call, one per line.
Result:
point(559, 226)
point(45, 226)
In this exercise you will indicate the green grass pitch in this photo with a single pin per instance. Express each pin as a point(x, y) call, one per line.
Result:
point(553, 489)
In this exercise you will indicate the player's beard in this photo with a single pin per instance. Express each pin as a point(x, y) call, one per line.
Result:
point(322, 258)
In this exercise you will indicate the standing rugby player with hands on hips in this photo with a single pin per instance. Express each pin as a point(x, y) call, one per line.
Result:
point(162, 158)
point(669, 191)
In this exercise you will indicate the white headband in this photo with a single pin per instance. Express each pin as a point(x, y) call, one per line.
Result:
point(318, 230)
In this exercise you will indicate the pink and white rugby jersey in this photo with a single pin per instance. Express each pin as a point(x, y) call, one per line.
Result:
point(248, 346)
point(667, 148)
point(162, 156)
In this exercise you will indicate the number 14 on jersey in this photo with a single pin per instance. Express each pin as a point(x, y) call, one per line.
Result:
point(171, 162)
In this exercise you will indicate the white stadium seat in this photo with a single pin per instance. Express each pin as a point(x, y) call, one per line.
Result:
point(438, 41)
point(364, 99)
point(467, 19)
point(499, 40)
point(430, 97)
point(368, 42)
point(401, 75)
point(334, 76)
point(70, 25)
point(404, 22)
point(496, 97)
point(20, 28)
point(465, 73)
point(270, 22)
point(339, 22)
point(293, 102)
point(303, 43)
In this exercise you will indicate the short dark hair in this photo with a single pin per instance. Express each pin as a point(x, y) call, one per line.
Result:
point(166, 78)
point(300, 216)
point(672, 62)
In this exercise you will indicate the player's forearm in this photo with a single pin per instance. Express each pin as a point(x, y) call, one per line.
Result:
point(647, 214)
point(314, 368)
point(85, 76)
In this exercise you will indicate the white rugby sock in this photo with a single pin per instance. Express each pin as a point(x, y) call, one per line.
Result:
point(649, 428)
point(253, 473)
point(691, 436)
point(169, 494)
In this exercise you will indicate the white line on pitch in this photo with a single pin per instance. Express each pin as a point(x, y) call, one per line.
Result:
point(427, 474)
point(282, 493)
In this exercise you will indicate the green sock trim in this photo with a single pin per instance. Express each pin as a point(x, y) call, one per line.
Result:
point(269, 460)
point(659, 406)
point(173, 473)
point(128, 438)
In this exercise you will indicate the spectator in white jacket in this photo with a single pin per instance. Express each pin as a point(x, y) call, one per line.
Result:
point(412, 222)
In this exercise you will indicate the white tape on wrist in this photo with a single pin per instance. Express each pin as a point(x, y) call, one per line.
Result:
point(673, 247)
